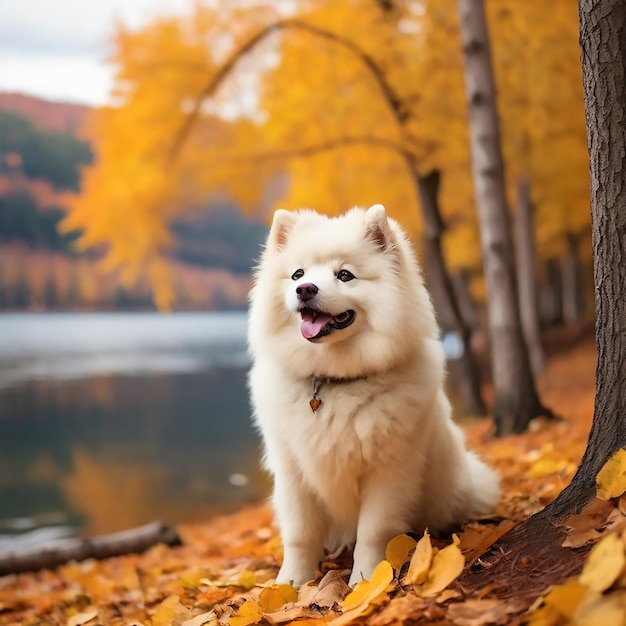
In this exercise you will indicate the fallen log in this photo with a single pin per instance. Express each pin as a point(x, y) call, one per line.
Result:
point(54, 553)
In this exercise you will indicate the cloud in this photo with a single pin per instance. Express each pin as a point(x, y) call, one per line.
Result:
point(58, 49)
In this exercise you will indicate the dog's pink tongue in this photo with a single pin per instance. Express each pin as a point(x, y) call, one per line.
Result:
point(312, 327)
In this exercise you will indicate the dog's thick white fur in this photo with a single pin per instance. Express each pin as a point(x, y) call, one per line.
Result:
point(339, 304)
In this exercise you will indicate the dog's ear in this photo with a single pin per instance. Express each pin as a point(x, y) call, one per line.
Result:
point(281, 226)
point(378, 229)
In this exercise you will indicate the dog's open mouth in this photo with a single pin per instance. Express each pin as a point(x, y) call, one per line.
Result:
point(317, 324)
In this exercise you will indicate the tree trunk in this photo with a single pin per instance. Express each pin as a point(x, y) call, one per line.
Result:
point(603, 42)
point(464, 369)
point(530, 555)
point(571, 275)
point(526, 276)
point(551, 309)
point(515, 395)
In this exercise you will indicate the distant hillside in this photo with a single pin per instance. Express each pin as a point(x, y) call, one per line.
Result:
point(56, 116)
point(41, 155)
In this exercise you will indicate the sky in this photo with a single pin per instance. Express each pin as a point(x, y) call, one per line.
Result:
point(57, 49)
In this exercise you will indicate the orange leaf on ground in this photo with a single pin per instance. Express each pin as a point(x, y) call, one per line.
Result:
point(611, 479)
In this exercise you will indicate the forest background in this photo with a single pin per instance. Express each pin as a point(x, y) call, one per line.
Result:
point(300, 120)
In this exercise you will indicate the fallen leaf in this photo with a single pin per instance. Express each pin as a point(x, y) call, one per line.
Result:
point(274, 597)
point(249, 613)
point(482, 612)
point(602, 611)
point(82, 618)
point(566, 598)
point(332, 590)
point(368, 590)
point(165, 612)
point(205, 619)
point(476, 540)
point(292, 612)
point(446, 567)
point(247, 579)
point(604, 564)
point(585, 526)
point(366, 595)
point(420, 561)
point(399, 551)
point(448, 594)
point(611, 479)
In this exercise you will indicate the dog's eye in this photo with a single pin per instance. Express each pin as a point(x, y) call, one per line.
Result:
point(345, 275)
point(297, 274)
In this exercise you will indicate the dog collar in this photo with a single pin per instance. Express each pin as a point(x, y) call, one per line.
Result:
point(318, 381)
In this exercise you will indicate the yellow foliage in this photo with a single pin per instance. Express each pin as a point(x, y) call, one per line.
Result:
point(349, 102)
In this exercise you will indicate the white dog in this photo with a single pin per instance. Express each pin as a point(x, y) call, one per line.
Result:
point(347, 387)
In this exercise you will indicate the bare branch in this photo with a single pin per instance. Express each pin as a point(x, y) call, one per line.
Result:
point(394, 102)
point(331, 144)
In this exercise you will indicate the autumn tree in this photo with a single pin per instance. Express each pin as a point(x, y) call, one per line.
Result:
point(363, 137)
point(516, 399)
point(537, 541)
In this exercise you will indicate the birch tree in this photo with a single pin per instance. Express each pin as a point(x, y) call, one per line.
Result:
point(516, 399)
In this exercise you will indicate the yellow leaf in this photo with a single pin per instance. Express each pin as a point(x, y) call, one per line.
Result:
point(247, 579)
point(165, 613)
point(604, 564)
point(611, 479)
point(367, 594)
point(420, 561)
point(249, 613)
point(368, 590)
point(566, 598)
point(446, 567)
point(275, 597)
point(82, 618)
point(399, 550)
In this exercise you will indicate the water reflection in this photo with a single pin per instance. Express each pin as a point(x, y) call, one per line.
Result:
point(106, 450)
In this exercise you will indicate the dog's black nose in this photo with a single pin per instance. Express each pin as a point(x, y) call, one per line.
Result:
point(306, 291)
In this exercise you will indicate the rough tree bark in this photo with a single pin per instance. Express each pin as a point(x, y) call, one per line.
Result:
point(530, 555)
point(526, 276)
point(465, 369)
point(515, 395)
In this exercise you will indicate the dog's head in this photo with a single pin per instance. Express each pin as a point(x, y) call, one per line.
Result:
point(344, 289)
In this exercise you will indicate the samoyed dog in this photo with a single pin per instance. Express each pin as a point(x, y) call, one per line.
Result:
point(347, 385)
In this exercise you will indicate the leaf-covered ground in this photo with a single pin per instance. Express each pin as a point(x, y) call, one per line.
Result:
point(223, 572)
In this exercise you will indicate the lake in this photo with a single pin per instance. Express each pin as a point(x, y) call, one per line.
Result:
point(111, 420)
